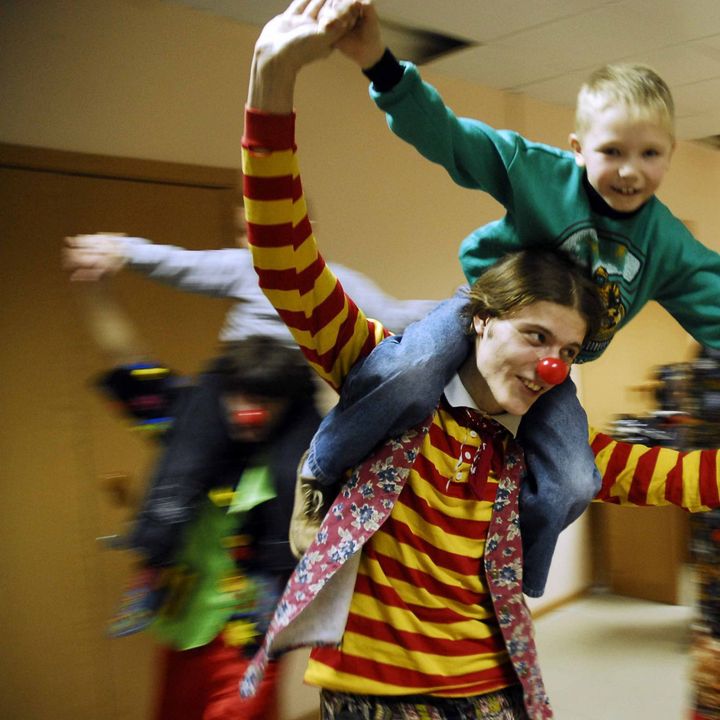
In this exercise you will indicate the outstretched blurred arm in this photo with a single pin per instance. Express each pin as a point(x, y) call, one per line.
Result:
point(110, 326)
point(225, 272)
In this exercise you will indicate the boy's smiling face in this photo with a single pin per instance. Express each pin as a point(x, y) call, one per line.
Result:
point(625, 156)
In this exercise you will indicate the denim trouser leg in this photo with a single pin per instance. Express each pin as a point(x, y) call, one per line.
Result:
point(562, 478)
point(395, 387)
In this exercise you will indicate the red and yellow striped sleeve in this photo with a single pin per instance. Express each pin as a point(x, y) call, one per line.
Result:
point(330, 329)
point(634, 474)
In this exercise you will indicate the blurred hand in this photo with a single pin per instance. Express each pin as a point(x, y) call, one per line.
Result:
point(89, 258)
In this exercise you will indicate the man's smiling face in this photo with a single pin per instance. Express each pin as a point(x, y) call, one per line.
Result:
point(501, 376)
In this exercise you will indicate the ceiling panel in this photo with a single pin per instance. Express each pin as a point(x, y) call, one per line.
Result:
point(545, 48)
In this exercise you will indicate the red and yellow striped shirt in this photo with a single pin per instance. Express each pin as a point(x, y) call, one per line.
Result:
point(421, 619)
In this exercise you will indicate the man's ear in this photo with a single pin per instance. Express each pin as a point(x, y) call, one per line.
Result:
point(576, 147)
point(479, 325)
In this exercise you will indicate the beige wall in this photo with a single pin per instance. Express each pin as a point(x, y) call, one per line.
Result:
point(142, 78)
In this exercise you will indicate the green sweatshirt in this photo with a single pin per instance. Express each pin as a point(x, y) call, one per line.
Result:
point(635, 257)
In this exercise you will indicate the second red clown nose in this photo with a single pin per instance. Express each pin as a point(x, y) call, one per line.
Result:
point(251, 417)
point(552, 370)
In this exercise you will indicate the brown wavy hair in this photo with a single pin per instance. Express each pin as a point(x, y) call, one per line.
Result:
point(529, 276)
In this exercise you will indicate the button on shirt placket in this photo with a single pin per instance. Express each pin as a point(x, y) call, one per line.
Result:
point(470, 450)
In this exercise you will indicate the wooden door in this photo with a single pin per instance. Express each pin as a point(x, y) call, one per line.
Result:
point(641, 552)
point(59, 440)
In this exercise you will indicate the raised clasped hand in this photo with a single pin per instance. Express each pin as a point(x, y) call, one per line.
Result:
point(308, 29)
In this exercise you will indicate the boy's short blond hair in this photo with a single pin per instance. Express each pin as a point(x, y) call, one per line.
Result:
point(638, 88)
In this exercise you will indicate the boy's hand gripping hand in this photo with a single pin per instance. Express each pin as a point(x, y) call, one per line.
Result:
point(92, 257)
point(363, 43)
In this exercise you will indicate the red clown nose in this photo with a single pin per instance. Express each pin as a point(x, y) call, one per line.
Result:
point(252, 417)
point(552, 370)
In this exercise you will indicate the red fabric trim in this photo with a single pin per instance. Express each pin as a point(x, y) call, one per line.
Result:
point(268, 131)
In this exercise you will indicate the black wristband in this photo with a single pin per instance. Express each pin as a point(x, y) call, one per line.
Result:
point(386, 73)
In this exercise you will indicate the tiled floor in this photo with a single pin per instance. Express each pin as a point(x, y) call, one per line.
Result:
point(612, 658)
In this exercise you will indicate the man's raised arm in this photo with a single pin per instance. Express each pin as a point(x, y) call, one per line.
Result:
point(305, 32)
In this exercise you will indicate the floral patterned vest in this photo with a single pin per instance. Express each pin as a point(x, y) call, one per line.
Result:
point(314, 607)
